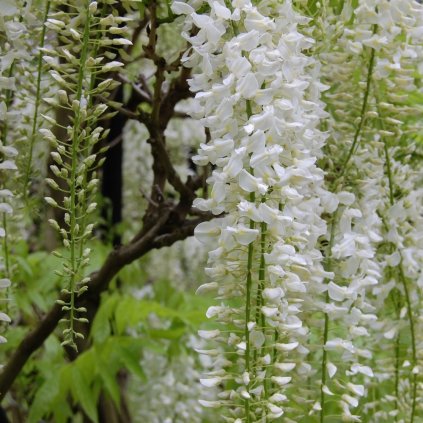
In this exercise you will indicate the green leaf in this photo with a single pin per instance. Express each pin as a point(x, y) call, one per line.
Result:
point(100, 329)
point(44, 397)
point(130, 358)
point(167, 333)
point(61, 411)
point(109, 380)
point(24, 266)
point(83, 394)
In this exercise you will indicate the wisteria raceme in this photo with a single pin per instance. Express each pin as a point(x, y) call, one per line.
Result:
point(259, 96)
point(384, 40)
point(84, 87)
point(11, 53)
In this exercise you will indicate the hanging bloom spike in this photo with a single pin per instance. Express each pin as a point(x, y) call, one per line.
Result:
point(80, 78)
point(371, 123)
point(10, 55)
point(258, 94)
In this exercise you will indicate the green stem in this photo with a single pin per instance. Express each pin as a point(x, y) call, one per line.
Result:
point(93, 81)
point(248, 299)
point(402, 276)
point(6, 254)
point(260, 318)
point(397, 365)
point(36, 108)
point(326, 327)
point(343, 170)
point(275, 337)
point(8, 102)
point(73, 187)
point(363, 111)
point(413, 340)
point(248, 311)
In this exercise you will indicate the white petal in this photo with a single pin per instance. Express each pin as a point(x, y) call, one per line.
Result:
point(181, 8)
point(250, 183)
point(281, 380)
point(245, 395)
point(248, 86)
point(207, 231)
point(257, 338)
point(390, 334)
point(326, 390)
point(269, 311)
point(8, 165)
point(331, 368)
point(112, 66)
point(337, 293)
point(365, 370)
point(278, 397)
point(206, 288)
point(213, 311)
point(357, 389)
point(287, 347)
point(246, 378)
point(210, 404)
point(6, 208)
point(350, 400)
point(9, 151)
point(211, 382)
point(346, 198)
point(4, 283)
point(208, 334)
point(251, 325)
point(221, 11)
point(275, 411)
point(6, 193)
point(246, 236)
point(273, 293)
point(285, 367)
point(242, 346)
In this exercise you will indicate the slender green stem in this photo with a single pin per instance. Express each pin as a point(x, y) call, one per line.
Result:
point(397, 365)
point(413, 340)
point(8, 102)
point(73, 186)
point(329, 266)
point(248, 311)
point(260, 318)
point(275, 336)
point(93, 80)
point(248, 296)
point(37, 105)
point(359, 128)
point(6, 254)
point(402, 276)
point(344, 168)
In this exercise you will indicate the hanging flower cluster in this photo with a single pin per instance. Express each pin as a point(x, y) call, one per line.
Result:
point(278, 268)
point(79, 67)
point(258, 95)
point(11, 53)
point(368, 132)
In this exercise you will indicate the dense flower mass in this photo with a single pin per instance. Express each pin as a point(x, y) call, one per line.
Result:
point(284, 277)
point(12, 52)
point(259, 96)
point(286, 132)
point(384, 41)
